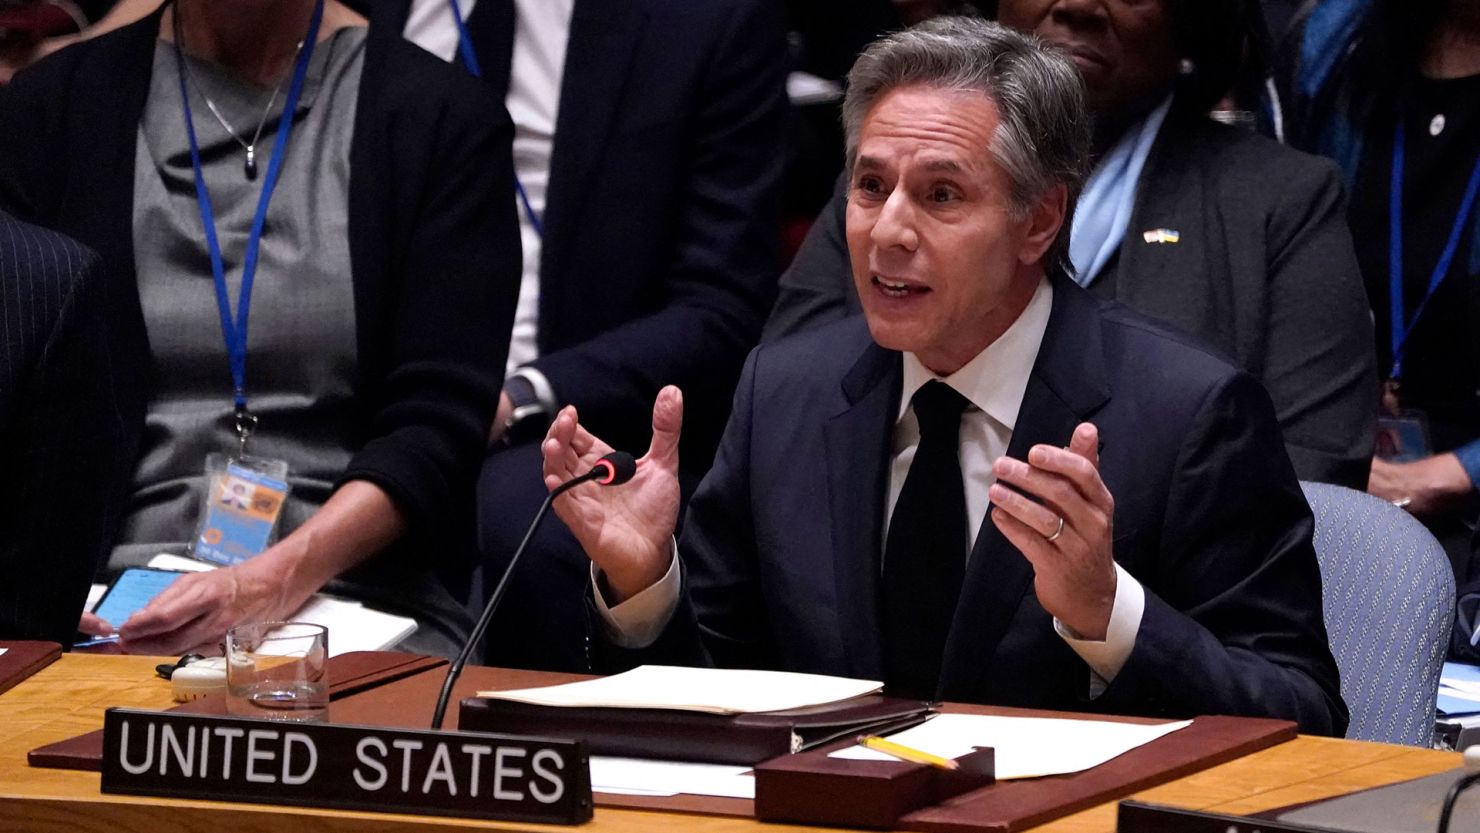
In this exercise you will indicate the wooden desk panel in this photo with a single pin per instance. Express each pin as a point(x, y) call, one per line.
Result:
point(68, 698)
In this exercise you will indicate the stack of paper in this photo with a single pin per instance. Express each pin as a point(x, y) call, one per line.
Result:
point(712, 690)
point(640, 776)
point(1025, 747)
point(1459, 689)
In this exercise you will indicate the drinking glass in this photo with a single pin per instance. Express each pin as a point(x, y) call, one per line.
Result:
point(276, 670)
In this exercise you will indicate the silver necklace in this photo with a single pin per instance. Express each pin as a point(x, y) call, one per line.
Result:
point(249, 168)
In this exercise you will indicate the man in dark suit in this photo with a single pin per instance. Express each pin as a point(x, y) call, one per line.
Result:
point(649, 151)
point(1141, 544)
point(59, 430)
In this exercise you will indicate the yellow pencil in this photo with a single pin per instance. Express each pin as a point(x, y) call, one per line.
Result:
point(905, 753)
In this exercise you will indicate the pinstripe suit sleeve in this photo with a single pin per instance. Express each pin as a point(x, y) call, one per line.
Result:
point(59, 426)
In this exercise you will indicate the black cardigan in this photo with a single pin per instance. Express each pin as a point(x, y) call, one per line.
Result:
point(434, 246)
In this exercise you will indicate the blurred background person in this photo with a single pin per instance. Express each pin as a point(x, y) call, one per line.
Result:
point(59, 427)
point(1391, 91)
point(385, 272)
point(1214, 229)
point(649, 149)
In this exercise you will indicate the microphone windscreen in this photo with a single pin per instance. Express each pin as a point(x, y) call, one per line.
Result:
point(620, 467)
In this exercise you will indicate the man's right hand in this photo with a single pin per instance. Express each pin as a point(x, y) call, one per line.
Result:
point(627, 530)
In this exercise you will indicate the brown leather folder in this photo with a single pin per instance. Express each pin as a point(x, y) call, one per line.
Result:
point(349, 674)
point(22, 659)
point(694, 736)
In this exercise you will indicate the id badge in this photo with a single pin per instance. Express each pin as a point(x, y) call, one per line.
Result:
point(243, 501)
point(1403, 437)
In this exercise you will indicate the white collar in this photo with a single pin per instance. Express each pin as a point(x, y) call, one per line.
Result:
point(997, 377)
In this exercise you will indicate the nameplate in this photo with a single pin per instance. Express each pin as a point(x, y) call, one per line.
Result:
point(465, 774)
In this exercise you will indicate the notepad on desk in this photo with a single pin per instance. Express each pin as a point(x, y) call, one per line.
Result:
point(1459, 689)
point(1025, 747)
point(708, 690)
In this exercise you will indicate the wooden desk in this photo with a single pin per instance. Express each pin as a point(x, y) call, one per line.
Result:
point(68, 698)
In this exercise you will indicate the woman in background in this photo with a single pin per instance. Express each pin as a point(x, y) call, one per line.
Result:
point(364, 186)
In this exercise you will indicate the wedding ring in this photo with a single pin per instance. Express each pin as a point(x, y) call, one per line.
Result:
point(1056, 532)
point(1402, 502)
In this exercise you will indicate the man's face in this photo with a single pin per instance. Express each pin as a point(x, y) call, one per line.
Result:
point(940, 262)
point(1122, 48)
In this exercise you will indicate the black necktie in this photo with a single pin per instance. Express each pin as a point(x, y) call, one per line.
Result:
point(925, 556)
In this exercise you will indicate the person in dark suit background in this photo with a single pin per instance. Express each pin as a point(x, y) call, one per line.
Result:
point(1142, 546)
point(1220, 232)
point(59, 430)
point(648, 145)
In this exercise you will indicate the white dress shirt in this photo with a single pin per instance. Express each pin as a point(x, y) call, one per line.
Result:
point(541, 34)
point(994, 382)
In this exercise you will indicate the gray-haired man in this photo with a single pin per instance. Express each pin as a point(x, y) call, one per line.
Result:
point(925, 495)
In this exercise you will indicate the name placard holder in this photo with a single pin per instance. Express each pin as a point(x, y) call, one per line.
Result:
point(367, 768)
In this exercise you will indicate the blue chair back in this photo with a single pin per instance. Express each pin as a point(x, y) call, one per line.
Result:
point(1389, 596)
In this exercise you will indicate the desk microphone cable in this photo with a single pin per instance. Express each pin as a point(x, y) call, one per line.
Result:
point(1469, 779)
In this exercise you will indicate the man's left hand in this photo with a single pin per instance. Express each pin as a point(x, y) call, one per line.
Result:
point(1068, 536)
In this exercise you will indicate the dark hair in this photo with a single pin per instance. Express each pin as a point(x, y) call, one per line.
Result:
point(1226, 41)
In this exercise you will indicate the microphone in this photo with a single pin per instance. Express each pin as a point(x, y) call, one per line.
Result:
point(612, 469)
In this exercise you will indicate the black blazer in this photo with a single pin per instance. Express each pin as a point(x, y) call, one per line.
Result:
point(782, 542)
point(1263, 270)
point(434, 247)
point(662, 217)
point(59, 430)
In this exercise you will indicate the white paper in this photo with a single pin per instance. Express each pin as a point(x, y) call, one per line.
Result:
point(1446, 690)
point(639, 776)
point(179, 563)
point(713, 690)
point(2, 651)
point(352, 626)
point(1025, 747)
point(1463, 688)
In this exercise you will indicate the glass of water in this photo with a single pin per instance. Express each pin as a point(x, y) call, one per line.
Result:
point(276, 670)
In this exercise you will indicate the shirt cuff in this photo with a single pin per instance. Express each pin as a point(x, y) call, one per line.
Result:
point(1106, 658)
point(1469, 460)
point(637, 622)
point(542, 387)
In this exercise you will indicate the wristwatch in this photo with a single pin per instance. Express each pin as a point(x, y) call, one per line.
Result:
point(530, 418)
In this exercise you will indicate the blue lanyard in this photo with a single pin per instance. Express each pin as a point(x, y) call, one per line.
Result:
point(235, 332)
point(1402, 326)
point(470, 61)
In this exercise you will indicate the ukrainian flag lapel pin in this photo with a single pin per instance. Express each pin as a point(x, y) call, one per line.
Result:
point(1161, 235)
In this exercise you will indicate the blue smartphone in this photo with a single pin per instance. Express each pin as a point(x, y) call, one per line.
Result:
point(133, 589)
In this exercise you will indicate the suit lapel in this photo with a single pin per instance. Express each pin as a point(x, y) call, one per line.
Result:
point(1066, 386)
point(604, 36)
point(858, 440)
point(1165, 276)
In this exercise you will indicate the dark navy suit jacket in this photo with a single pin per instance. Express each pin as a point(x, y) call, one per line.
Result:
point(60, 430)
point(661, 222)
point(782, 541)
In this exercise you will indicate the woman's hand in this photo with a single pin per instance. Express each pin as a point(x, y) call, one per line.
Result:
point(1426, 487)
point(198, 608)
